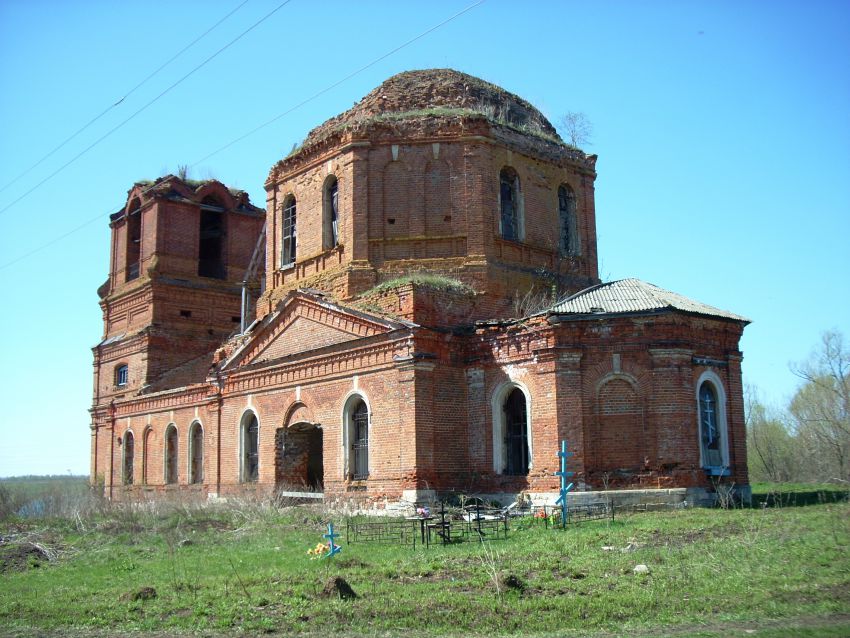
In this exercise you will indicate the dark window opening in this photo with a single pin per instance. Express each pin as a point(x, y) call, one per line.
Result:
point(360, 441)
point(566, 218)
point(330, 226)
point(516, 434)
point(186, 313)
point(251, 460)
point(288, 249)
point(509, 202)
point(121, 375)
point(128, 458)
point(134, 240)
point(171, 455)
point(196, 462)
point(211, 240)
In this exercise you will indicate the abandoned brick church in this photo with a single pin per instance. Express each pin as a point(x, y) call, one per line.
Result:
point(417, 311)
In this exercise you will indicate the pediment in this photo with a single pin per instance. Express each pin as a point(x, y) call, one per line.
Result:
point(303, 324)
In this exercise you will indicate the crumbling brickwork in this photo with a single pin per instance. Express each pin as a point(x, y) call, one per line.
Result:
point(405, 344)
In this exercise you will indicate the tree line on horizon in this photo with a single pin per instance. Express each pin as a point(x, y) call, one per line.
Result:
point(807, 440)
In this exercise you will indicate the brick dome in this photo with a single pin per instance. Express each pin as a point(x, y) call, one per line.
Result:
point(439, 92)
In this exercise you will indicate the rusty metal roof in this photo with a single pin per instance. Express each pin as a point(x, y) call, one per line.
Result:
point(633, 296)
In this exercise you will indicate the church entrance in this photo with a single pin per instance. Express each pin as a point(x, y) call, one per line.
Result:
point(299, 462)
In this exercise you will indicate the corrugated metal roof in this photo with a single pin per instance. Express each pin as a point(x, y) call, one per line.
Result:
point(633, 295)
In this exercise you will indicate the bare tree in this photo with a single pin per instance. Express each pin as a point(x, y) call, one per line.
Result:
point(771, 449)
point(821, 407)
point(577, 128)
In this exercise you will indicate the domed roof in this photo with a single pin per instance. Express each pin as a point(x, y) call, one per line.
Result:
point(440, 92)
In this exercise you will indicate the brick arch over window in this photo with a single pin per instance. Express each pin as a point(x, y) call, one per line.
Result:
point(396, 189)
point(619, 442)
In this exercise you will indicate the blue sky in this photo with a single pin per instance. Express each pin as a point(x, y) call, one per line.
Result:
point(722, 129)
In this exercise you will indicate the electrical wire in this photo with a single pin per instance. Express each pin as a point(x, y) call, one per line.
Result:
point(145, 107)
point(254, 130)
point(124, 97)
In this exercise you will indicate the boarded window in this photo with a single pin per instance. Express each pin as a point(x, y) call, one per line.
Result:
point(287, 255)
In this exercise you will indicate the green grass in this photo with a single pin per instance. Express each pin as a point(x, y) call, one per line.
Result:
point(245, 568)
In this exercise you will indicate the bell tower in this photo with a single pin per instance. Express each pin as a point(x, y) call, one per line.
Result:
point(179, 253)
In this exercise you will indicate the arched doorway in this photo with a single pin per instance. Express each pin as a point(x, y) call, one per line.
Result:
point(299, 459)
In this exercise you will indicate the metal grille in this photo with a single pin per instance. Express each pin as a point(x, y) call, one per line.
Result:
point(566, 214)
point(251, 452)
point(287, 255)
point(516, 435)
point(508, 197)
point(360, 442)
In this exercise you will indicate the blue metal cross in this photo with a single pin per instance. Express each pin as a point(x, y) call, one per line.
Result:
point(333, 548)
point(565, 488)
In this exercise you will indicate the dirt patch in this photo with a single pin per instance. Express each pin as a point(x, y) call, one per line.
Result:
point(20, 558)
point(338, 587)
point(145, 593)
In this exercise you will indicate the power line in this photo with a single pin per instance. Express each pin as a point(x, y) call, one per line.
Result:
point(337, 83)
point(145, 107)
point(124, 97)
point(251, 132)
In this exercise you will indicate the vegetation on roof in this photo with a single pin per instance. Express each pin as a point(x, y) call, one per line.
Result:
point(430, 280)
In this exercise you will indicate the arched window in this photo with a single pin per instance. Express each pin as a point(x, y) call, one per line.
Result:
point(171, 454)
point(510, 220)
point(287, 254)
point(147, 443)
point(511, 431)
point(129, 453)
point(121, 375)
point(330, 216)
point(567, 240)
point(357, 438)
point(211, 239)
point(711, 411)
point(196, 453)
point(250, 448)
point(134, 240)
